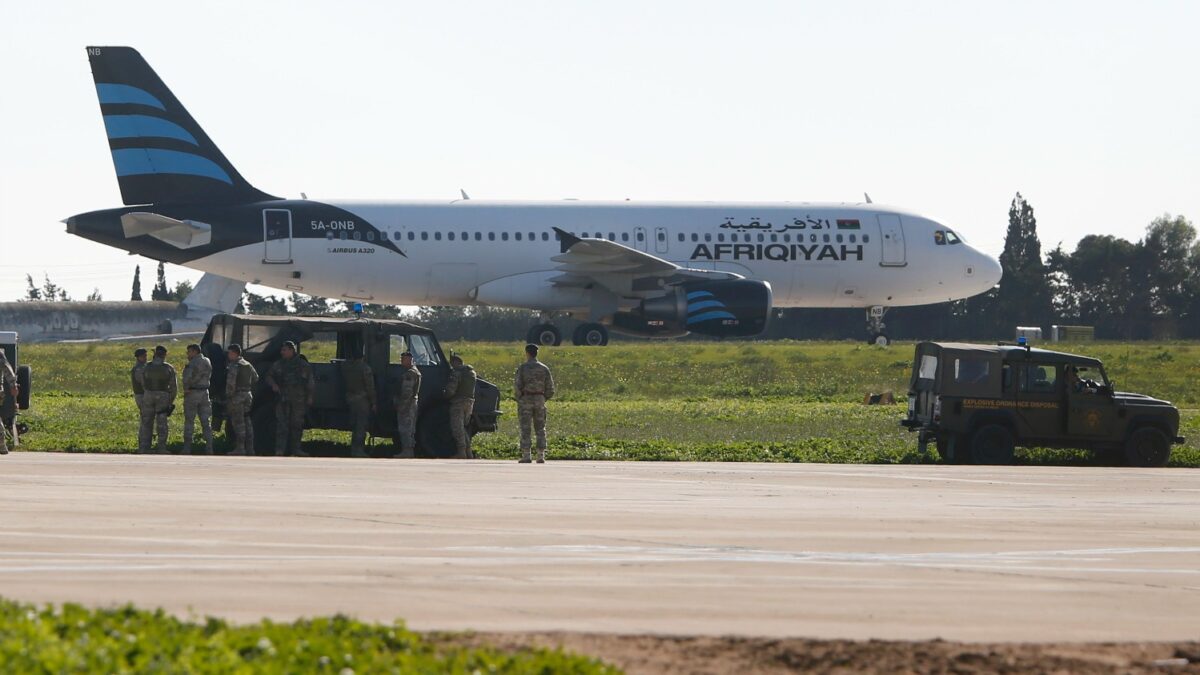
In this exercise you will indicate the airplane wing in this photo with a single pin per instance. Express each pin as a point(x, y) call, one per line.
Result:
point(621, 269)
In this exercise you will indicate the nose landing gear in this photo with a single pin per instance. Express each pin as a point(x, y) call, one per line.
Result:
point(876, 326)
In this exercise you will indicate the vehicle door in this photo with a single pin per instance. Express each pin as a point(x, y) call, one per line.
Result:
point(1039, 400)
point(1090, 411)
point(891, 234)
point(277, 236)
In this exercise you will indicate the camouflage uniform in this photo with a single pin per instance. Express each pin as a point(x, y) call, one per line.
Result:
point(359, 383)
point(405, 391)
point(159, 381)
point(460, 387)
point(534, 386)
point(197, 375)
point(240, 378)
point(139, 394)
point(8, 384)
point(294, 379)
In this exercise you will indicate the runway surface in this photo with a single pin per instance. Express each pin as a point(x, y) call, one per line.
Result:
point(911, 552)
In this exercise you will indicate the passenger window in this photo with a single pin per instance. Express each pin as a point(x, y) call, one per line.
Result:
point(720, 237)
point(518, 236)
point(491, 236)
point(450, 236)
point(971, 371)
point(774, 237)
point(478, 236)
point(424, 236)
point(343, 235)
point(370, 236)
point(1038, 379)
point(825, 238)
point(532, 236)
point(812, 238)
point(504, 236)
point(641, 236)
point(866, 239)
point(839, 239)
point(437, 236)
point(707, 237)
point(545, 236)
point(853, 238)
point(329, 235)
point(787, 238)
point(762, 237)
point(695, 237)
point(612, 236)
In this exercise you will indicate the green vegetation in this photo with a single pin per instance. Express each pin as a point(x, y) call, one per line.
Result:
point(71, 638)
point(746, 401)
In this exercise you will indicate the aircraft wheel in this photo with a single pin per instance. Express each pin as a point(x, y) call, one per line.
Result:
point(544, 335)
point(590, 335)
point(1147, 447)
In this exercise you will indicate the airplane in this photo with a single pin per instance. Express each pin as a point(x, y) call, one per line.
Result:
point(97, 321)
point(654, 269)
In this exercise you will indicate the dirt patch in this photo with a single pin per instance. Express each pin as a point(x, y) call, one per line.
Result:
point(676, 654)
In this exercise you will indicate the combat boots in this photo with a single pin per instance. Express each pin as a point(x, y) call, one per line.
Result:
point(541, 456)
point(524, 456)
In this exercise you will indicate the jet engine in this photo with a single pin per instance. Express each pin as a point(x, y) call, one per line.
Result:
point(738, 308)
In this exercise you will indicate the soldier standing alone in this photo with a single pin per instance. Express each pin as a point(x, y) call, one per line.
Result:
point(534, 386)
point(460, 389)
point(405, 391)
point(240, 378)
point(197, 376)
point(359, 382)
point(291, 379)
point(8, 399)
point(158, 400)
point(139, 391)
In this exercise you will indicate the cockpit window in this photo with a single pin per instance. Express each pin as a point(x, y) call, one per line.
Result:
point(944, 237)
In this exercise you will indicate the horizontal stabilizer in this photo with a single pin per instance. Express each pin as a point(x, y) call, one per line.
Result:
point(177, 233)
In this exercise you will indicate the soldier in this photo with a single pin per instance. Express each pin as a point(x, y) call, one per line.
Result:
point(158, 400)
point(197, 376)
point(8, 400)
point(291, 379)
point(405, 390)
point(139, 391)
point(460, 389)
point(359, 382)
point(240, 378)
point(534, 386)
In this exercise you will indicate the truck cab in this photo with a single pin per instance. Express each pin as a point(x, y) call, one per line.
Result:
point(978, 402)
point(325, 343)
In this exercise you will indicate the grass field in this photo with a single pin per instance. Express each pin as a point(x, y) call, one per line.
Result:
point(777, 401)
point(72, 639)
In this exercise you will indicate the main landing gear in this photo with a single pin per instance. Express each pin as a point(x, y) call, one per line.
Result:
point(876, 326)
point(585, 335)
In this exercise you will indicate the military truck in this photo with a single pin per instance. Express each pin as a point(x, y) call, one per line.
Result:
point(325, 342)
point(978, 402)
point(10, 406)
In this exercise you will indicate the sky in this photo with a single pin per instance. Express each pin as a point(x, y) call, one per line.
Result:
point(948, 108)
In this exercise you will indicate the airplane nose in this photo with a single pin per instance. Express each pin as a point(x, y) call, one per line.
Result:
point(990, 271)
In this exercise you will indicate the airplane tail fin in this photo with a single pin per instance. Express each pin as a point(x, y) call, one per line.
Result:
point(213, 294)
point(161, 155)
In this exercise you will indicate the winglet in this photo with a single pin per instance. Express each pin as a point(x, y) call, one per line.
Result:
point(567, 240)
point(464, 194)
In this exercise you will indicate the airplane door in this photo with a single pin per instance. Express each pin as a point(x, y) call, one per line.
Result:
point(277, 236)
point(891, 234)
point(639, 238)
point(660, 240)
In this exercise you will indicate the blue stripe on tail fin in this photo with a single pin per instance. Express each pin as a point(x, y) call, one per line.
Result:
point(160, 154)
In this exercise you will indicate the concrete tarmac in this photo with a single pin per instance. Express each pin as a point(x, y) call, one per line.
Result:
point(908, 552)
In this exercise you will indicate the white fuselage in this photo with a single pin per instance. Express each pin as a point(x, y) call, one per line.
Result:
point(462, 252)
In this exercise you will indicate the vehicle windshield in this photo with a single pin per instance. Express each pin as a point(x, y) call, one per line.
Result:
point(946, 237)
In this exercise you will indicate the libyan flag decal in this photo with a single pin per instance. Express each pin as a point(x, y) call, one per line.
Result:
point(850, 224)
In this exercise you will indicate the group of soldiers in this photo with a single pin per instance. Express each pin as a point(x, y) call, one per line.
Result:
point(155, 389)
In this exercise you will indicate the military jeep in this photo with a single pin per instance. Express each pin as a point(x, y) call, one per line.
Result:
point(326, 342)
point(977, 402)
point(10, 407)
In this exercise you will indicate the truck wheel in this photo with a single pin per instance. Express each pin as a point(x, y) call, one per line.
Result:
point(992, 444)
point(1147, 446)
point(433, 433)
point(24, 384)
